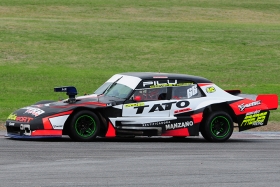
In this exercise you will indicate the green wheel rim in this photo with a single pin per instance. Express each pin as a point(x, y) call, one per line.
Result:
point(220, 127)
point(85, 126)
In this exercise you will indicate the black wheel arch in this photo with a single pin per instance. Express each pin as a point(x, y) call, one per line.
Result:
point(220, 107)
point(217, 107)
point(102, 119)
point(209, 112)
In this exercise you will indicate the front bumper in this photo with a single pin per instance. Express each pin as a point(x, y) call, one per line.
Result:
point(23, 131)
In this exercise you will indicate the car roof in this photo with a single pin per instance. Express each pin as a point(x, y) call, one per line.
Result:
point(154, 75)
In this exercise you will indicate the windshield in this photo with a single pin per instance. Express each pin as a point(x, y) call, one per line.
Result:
point(102, 88)
point(118, 90)
point(120, 86)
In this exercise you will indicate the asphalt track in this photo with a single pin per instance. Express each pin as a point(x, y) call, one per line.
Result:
point(247, 159)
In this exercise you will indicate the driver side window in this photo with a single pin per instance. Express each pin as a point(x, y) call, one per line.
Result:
point(186, 92)
point(149, 94)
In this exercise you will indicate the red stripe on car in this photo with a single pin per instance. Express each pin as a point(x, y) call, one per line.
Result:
point(46, 122)
point(247, 105)
point(204, 84)
point(197, 118)
point(111, 132)
point(46, 133)
point(177, 132)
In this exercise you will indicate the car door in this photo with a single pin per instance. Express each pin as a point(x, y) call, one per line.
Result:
point(147, 102)
point(187, 98)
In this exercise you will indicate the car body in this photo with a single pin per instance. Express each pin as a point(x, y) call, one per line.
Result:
point(144, 104)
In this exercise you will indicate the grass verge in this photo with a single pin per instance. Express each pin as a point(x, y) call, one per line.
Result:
point(44, 44)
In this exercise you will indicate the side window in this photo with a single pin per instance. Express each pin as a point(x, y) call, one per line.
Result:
point(149, 94)
point(186, 92)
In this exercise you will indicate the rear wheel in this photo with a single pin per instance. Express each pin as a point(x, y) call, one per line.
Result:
point(217, 127)
point(84, 126)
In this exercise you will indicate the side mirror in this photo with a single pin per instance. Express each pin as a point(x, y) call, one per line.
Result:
point(137, 98)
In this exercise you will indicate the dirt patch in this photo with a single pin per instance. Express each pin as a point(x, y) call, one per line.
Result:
point(2, 126)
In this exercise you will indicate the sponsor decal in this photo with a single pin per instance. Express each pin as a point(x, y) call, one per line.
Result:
point(24, 119)
point(18, 118)
point(58, 126)
point(157, 84)
point(12, 117)
point(248, 105)
point(255, 112)
point(192, 91)
point(33, 111)
point(210, 89)
point(26, 129)
point(254, 119)
point(162, 106)
point(11, 124)
point(134, 104)
point(182, 110)
point(156, 123)
point(179, 125)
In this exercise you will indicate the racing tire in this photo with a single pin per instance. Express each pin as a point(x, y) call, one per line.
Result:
point(84, 126)
point(217, 127)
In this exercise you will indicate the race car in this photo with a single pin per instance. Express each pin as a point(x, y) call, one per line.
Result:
point(144, 104)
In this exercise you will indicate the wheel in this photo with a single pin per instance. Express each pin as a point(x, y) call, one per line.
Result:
point(217, 127)
point(84, 126)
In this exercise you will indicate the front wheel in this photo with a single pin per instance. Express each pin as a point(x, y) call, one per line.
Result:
point(217, 127)
point(84, 126)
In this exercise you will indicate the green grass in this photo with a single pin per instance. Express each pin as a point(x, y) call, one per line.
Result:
point(44, 44)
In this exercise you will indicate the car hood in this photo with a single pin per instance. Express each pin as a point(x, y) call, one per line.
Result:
point(31, 112)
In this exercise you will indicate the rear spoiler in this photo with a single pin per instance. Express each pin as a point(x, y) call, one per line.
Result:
point(71, 91)
point(271, 100)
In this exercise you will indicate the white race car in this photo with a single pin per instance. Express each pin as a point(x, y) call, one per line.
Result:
point(144, 104)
